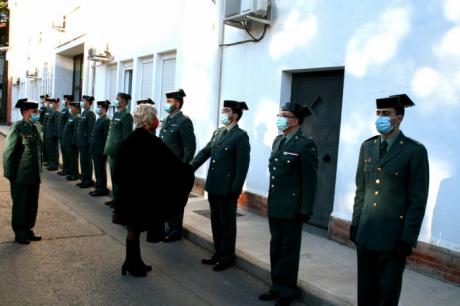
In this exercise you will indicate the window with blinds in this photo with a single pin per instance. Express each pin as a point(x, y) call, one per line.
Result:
point(112, 92)
point(168, 76)
point(147, 80)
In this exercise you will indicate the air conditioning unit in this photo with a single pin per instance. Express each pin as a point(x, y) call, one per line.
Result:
point(99, 56)
point(237, 11)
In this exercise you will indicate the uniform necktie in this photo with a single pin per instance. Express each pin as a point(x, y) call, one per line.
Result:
point(383, 148)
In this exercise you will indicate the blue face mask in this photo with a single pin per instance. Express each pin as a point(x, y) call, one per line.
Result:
point(169, 108)
point(383, 125)
point(98, 111)
point(224, 119)
point(35, 117)
point(282, 123)
point(82, 104)
point(116, 103)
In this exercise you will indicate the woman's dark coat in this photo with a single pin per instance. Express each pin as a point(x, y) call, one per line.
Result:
point(151, 180)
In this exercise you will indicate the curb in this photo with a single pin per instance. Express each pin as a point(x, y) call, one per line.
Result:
point(309, 294)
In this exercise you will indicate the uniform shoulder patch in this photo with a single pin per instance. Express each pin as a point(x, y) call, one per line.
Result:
point(372, 138)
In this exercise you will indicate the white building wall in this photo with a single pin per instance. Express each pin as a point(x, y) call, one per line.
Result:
point(386, 47)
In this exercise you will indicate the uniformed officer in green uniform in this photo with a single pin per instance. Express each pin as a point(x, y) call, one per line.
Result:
point(42, 105)
point(69, 140)
point(22, 165)
point(85, 130)
point(229, 152)
point(293, 166)
point(391, 193)
point(52, 134)
point(120, 127)
point(44, 122)
point(65, 116)
point(98, 140)
point(177, 133)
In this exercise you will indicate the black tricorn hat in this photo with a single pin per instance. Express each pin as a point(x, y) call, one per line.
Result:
point(53, 100)
point(44, 96)
point(180, 93)
point(236, 105)
point(124, 96)
point(90, 99)
point(395, 101)
point(298, 110)
point(75, 103)
point(25, 104)
point(146, 101)
point(68, 97)
point(105, 103)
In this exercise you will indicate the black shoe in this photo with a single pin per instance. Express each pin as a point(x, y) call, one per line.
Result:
point(145, 267)
point(211, 260)
point(34, 237)
point(63, 173)
point(22, 240)
point(283, 301)
point(98, 193)
point(223, 265)
point(172, 238)
point(110, 203)
point(85, 185)
point(52, 168)
point(134, 271)
point(78, 184)
point(269, 296)
point(72, 178)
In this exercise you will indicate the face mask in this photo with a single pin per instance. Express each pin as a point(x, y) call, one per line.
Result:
point(282, 123)
point(98, 111)
point(63, 103)
point(383, 125)
point(82, 104)
point(169, 108)
point(116, 103)
point(224, 119)
point(35, 117)
point(52, 106)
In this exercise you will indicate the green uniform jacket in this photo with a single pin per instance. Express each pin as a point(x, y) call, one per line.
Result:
point(120, 128)
point(293, 177)
point(177, 133)
point(230, 155)
point(46, 115)
point(22, 157)
point(52, 127)
point(69, 136)
point(64, 116)
point(86, 127)
point(100, 133)
point(391, 193)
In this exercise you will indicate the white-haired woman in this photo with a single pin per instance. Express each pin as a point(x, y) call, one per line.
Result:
point(150, 177)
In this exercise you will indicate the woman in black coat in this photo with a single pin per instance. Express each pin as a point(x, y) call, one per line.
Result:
point(151, 181)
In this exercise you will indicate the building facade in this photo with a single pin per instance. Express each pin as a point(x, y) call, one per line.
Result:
point(335, 56)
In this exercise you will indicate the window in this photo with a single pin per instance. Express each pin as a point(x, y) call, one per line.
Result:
point(128, 81)
point(168, 77)
point(146, 79)
point(77, 76)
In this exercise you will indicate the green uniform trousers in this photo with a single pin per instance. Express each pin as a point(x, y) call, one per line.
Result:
point(379, 277)
point(72, 153)
point(223, 224)
point(86, 164)
point(25, 206)
point(52, 151)
point(100, 171)
point(286, 239)
point(65, 158)
point(113, 164)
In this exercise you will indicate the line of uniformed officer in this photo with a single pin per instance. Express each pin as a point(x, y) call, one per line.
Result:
point(51, 133)
point(84, 133)
point(65, 115)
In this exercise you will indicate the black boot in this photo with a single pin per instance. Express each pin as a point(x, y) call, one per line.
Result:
point(132, 261)
point(140, 262)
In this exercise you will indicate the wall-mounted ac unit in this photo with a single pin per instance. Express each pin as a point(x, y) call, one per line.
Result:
point(237, 11)
point(99, 56)
point(32, 73)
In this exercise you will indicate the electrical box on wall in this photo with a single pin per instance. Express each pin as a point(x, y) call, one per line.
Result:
point(238, 11)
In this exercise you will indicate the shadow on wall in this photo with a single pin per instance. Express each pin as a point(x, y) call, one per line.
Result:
point(445, 226)
point(260, 153)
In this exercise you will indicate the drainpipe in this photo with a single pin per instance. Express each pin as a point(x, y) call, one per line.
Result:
point(220, 55)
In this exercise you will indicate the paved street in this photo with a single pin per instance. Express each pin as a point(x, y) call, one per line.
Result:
point(78, 262)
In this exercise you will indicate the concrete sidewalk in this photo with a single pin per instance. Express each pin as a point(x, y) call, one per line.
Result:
point(327, 273)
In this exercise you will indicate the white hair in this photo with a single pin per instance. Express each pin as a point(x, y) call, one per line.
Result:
point(144, 114)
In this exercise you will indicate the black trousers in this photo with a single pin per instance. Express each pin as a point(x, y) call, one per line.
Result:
point(175, 224)
point(113, 165)
point(379, 277)
point(100, 171)
point(65, 157)
point(52, 151)
point(86, 164)
point(25, 207)
point(72, 153)
point(285, 242)
point(223, 223)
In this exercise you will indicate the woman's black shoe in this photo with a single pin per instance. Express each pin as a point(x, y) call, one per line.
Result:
point(269, 296)
point(134, 271)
